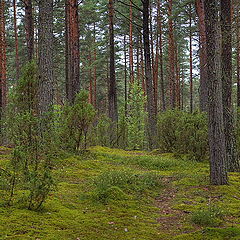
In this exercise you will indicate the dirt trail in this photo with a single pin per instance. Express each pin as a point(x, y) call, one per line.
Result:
point(171, 221)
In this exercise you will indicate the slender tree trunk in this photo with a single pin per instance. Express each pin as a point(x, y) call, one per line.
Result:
point(226, 28)
point(218, 169)
point(156, 63)
point(177, 74)
point(142, 68)
point(95, 70)
point(138, 59)
point(131, 43)
point(29, 28)
point(90, 79)
point(191, 58)
point(238, 54)
point(182, 90)
point(152, 120)
point(203, 55)
point(125, 75)
point(112, 94)
point(72, 50)
point(45, 56)
point(16, 39)
point(151, 43)
point(3, 59)
point(163, 101)
point(171, 57)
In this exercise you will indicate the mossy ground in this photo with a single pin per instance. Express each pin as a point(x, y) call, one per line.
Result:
point(148, 212)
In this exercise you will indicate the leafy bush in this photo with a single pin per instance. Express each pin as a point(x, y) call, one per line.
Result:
point(183, 133)
point(77, 119)
point(102, 130)
point(136, 118)
point(116, 184)
point(210, 217)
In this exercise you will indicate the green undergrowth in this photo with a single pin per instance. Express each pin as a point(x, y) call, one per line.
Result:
point(110, 194)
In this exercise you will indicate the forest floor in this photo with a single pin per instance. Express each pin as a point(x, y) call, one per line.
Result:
point(127, 195)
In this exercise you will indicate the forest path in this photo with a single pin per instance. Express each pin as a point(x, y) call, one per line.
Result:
point(172, 221)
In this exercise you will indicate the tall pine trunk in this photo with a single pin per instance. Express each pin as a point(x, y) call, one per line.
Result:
point(238, 53)
point(112, 94)
point(95, 69)
point(203, 95)
point(29, 29)
point(45, 56)
point(131, 42)
point(3, 59)
point(152, 120)
point(218, 169)
point(191, 58)
point(163, 101)
point(16, 39)
point(72, 54)
point(171, 57)
point(226, 28)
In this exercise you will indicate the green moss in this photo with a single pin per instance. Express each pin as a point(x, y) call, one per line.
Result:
point(130, 211)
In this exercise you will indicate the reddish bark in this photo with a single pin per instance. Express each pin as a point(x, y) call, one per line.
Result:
point(203, 55)
point(72, 50)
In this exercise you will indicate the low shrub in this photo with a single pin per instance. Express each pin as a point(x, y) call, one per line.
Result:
point(184, 133)
point(210, 217)
point(115, 185)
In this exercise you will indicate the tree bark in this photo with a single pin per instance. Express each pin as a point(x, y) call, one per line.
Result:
point(171, 57)
point(163, 101)
point(112, 94)
point(125, 75)
point(226, 28)
point(191, 58)
point(72, 54)
point(203, 94)
point(142, 67)
point(3, 58)
point(218, 170)
point(16, 39)
point(238, 54)
point(152, 120)
point(131, 42)
point(29, 28)
point(95, 70)
point(45, 56)
point(90, 90)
